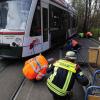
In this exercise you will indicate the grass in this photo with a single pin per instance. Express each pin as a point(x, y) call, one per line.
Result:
point(96, 32)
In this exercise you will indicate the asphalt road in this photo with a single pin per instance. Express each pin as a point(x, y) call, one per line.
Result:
point(31, 90)
point(10, 78)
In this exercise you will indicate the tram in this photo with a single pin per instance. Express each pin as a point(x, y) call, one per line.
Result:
point(29, 27)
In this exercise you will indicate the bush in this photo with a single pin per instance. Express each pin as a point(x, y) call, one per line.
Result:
point(96, 32)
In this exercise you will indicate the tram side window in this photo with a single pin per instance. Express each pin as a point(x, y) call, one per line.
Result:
point(54, 18)
point(59, 19)
point(36, 23)
point(3, 14)
point(65, 20)
point(45, 25)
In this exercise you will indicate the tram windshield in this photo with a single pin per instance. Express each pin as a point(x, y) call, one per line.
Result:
point(14, 14)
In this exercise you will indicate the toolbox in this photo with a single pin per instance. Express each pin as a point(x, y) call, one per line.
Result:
point(94, 55)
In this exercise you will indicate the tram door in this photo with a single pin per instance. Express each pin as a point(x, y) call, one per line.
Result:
point(45, 25)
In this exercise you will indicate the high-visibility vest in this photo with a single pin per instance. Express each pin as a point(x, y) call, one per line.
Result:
point(35, 68)
point(81, 35)
point(66, 65)
point(74, 43)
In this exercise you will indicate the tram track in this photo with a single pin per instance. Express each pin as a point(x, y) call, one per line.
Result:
point(2, 69)
point(11, 78)
point(4, 64)
point(15, 94)
point(18, 89)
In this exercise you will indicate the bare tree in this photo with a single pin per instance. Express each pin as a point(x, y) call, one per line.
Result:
point(88, 13)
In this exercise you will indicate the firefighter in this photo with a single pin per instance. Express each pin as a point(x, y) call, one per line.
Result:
point(88, 34)
point(35, 68)
point(64, 72)
point(68, 45)
point(81, 35)
point(73, 45)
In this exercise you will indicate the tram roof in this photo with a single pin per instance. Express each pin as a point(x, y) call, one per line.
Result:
point(64, 4)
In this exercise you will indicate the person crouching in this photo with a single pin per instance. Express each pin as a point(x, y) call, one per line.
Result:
point(35, 68)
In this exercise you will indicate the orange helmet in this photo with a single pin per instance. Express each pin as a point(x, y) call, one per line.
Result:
point(33, 66)
point(89, 34)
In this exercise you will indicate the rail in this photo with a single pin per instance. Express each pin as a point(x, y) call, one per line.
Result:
point(91, 93)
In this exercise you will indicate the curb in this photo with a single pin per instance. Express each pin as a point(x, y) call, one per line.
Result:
point(95, 41)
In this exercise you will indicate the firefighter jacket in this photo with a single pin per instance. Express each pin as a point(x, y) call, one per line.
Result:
point(63, 76)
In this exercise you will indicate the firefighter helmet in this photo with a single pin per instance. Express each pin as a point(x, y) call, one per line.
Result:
point(70, 55)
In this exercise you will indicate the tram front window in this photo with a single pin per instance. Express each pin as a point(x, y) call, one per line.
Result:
point(14, 14)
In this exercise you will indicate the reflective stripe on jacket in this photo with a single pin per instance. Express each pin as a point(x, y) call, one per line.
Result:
point(35, 66)
point(41, 74)
point(59, 91)
point(39, 70)
point(66, 65)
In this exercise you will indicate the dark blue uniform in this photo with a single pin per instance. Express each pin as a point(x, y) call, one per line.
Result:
point(60, 79)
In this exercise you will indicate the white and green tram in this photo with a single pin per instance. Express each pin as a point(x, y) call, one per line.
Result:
point(29, 27)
